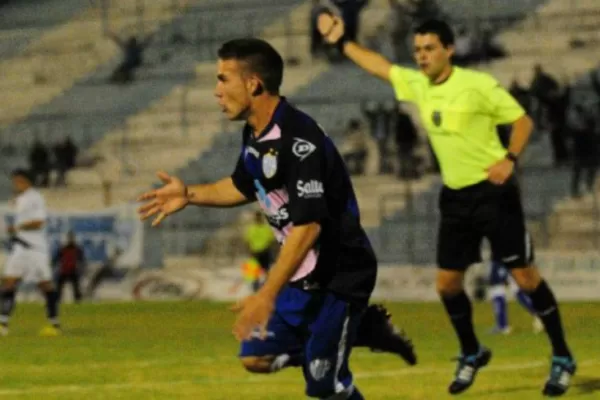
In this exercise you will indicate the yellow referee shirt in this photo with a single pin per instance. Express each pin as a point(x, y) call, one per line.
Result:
point(460, 116)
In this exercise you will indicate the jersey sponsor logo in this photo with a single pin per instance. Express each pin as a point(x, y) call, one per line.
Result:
point(279, 217)
point(269, 164)
point(436, 118)
point(310, 189)
point(319, 368)
point(302, 148)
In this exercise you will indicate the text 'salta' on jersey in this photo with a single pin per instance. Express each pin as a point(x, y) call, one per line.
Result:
point(298, 177)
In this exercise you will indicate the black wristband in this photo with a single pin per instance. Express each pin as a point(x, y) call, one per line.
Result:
point(512, 157)
point(342, 42)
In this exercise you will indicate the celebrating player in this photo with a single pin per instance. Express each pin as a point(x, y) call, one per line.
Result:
point(460, 109)
point(29, 256)
point(309, 310)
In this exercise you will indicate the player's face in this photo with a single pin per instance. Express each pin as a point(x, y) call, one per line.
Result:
point(431, 56)
point(20, 184)
point(234, 89)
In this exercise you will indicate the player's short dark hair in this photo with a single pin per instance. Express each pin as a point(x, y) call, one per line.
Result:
point(21, 172)
point(260, 58)
point(439, 28)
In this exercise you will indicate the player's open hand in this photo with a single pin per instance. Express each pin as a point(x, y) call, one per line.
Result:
point(163, 201)
point(330, 26)
point(253, 314)
point(499, 173)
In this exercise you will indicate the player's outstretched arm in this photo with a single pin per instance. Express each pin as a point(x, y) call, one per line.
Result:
point(332, 29)
point(174, 195)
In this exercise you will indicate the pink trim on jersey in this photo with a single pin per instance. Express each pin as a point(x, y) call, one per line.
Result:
point(307, 266)
point(274, 134)
point(309, 263)
point(277, 198)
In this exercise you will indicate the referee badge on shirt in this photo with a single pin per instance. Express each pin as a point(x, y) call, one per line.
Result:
point(269, 164)
point(436, 118)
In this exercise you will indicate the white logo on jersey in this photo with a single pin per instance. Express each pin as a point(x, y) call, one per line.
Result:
point(319, 368)
point(278, 217)
point(302, 148)
point(310, 189)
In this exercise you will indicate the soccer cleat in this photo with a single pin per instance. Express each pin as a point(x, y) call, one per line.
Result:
point(507, 330)
point(50, 331)
point(3, 330)
point(467, 370)
point(561, 372)
point(377, 332)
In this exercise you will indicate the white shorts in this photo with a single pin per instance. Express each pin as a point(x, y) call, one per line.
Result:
point(29, 265)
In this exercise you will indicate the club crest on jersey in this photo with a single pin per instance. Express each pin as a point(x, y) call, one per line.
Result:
point(269, 164)
point(436, 118)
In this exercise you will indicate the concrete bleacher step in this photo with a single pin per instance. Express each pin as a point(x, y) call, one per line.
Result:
point(67, 53)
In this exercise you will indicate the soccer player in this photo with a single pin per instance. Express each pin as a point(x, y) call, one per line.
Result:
point(461, 109)
point(499, 279)
point(29, 256)
point(310, 307)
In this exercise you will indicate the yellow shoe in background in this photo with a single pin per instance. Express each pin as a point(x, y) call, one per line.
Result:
point(50, 331)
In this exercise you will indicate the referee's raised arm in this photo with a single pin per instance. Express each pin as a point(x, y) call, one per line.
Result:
point(331, 28)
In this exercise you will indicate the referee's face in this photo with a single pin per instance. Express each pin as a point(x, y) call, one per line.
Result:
point(232, 91)
point(431, 55)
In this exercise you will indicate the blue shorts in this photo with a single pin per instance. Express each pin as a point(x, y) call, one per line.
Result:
point(322, 327)
point(498, 274)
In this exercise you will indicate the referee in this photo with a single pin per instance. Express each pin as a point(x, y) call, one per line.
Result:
point(480, 198)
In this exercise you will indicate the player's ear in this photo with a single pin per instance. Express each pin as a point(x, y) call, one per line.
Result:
point(257, 87)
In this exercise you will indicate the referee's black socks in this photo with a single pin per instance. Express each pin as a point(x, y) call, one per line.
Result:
point(546, 307)
point(460, 311)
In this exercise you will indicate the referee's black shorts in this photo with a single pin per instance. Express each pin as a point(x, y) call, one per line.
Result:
point(483, 210)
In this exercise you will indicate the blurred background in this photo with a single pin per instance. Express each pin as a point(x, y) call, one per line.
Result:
point(98, 95)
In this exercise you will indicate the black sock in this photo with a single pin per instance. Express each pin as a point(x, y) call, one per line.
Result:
point(546, 307)
point(8, 304)
point(461, 315)
point(52, 307)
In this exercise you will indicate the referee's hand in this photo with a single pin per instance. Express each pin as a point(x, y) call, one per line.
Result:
point(499, 173)
point(330, 26)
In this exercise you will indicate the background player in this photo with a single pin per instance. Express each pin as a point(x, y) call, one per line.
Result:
point(499, 280)
point(29, 257)
point(461, 109)
point(309, 309)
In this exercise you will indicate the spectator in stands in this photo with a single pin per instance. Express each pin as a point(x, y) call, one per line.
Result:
point(71, 262)
point(259, 239)
point(316, 40)
point(380, 120)
point(350, 10)
point(543, 87)
point(585, 144)
point(133, 57)
point(399, 27)
point(354, 147)
point(423, 10)
point(406, 142)
point(521, 94)
point(65, 155)
point(463, 47)
point(557, 119)
point(39, 163)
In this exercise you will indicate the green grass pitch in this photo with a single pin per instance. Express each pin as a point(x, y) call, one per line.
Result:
point(185, 350)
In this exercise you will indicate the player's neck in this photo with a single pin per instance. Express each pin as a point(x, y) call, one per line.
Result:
point(262, 113)
point(444, 75)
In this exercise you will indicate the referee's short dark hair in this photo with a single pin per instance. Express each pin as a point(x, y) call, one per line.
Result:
point(439, 28)
point(260, 58)
point(22, 173)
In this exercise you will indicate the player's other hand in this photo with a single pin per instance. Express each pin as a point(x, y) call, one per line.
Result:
point(330, 26)
point(164, 201)
point(501, 171)
point(253, 314)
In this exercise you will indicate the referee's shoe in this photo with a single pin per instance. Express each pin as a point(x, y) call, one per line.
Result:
point(377, 332)
point(467, 368)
